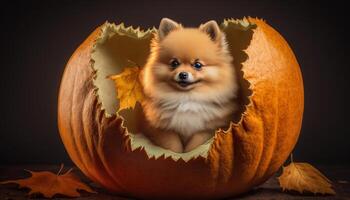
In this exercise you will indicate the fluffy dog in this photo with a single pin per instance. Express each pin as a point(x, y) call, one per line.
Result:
point(190, 85)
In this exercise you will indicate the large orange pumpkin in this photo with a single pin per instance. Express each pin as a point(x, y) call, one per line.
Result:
point(101, 142)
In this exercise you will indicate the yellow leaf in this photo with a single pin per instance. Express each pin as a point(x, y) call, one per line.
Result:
point(48, 184)
point(128, 87)
point(304, 177)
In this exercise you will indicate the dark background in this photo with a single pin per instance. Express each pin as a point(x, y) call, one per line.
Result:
point(37, 39)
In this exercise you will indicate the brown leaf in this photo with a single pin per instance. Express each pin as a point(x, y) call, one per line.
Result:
point(128, 87)
point(49, 184)
point(304, 177)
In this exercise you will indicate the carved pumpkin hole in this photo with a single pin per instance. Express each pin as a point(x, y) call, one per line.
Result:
point(118, 45)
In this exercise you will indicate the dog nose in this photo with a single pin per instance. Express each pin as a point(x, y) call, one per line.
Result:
point(183, 76)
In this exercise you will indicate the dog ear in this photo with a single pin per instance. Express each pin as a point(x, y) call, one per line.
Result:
point(166, 26)
point(212, 29)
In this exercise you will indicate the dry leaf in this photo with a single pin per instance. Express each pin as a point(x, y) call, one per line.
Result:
point(304, 177)
point(129, 88)
point(48, 184)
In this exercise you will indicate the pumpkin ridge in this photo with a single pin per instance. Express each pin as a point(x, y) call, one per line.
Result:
point(95, 136)
point(88, 140)
point(117, 185)
point(69, 143)
point(273, 136)
point(76, 140)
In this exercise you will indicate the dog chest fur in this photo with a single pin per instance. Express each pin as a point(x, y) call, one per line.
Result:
point(187, 117)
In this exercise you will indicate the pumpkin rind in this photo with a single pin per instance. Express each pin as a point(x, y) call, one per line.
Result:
point(245, 155)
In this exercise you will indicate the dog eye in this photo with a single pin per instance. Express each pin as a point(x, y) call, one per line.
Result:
point(174, 63)
point(197, 65)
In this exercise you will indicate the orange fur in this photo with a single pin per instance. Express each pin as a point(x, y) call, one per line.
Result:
point(193, 112)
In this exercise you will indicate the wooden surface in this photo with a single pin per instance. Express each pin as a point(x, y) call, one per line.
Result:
point(340, 175)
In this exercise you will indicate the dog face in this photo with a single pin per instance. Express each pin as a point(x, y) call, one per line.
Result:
point(189, 59)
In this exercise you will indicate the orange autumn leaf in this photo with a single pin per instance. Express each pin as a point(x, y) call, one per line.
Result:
point(304, 177)
point(48, 184)
point(128, 87)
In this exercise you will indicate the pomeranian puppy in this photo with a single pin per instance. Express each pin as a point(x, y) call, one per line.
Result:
point(190, 85)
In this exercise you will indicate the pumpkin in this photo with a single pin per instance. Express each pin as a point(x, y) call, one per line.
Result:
point(105, 147)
